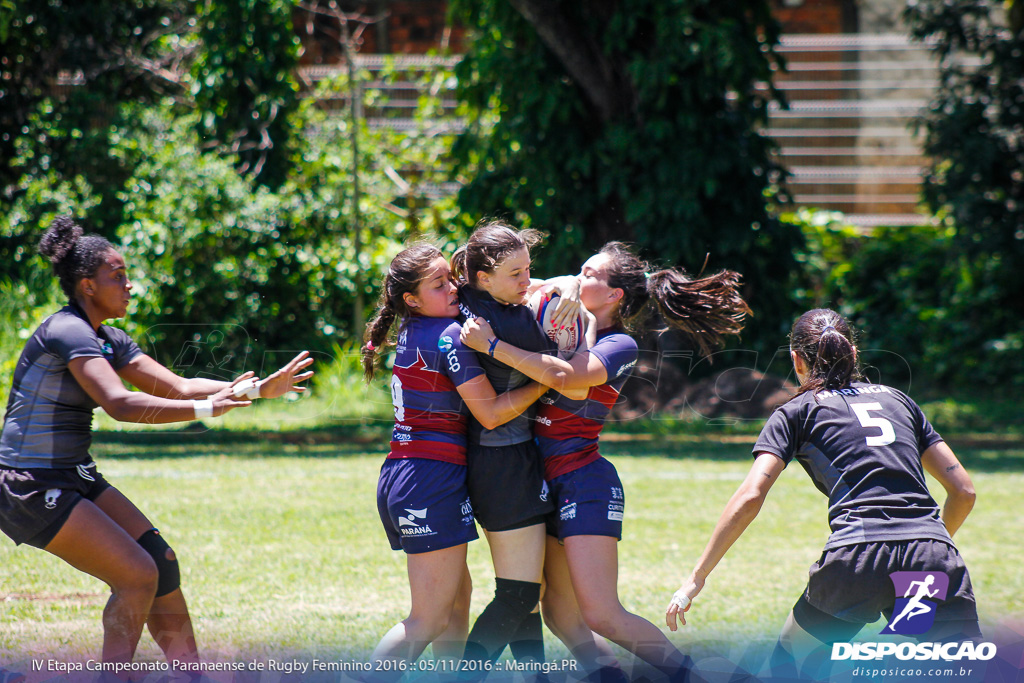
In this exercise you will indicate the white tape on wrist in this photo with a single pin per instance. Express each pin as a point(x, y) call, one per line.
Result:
point(203, 408)
point(680, 600)
point(249, 388)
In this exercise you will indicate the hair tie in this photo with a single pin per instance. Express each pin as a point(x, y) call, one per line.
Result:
point(370, 346)
point(827, 328)
point(647, 275)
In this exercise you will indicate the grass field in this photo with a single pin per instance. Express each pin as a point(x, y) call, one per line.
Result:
point(282, 551)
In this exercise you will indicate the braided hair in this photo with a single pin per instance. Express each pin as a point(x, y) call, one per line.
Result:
point(404, 275)
point(824, 340)
point(706, 309)
point(74, 256)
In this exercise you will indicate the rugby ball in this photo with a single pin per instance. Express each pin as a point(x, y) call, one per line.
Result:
point(569, 338)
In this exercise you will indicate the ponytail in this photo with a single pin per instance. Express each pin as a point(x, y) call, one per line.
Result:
point(376, 336)
point(404, 275)
point(705, 309)
point(457, 263)
point(824, 340)
point(72, 255)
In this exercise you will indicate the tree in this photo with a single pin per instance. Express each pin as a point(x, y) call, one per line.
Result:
point(244, 83)
point(974, 136)
point(64, 66)
point(630, 120)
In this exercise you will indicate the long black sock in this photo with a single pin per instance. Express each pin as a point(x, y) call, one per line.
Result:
point(498, 623)
point(528, 641)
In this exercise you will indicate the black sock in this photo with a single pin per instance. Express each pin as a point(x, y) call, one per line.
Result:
point(528, 641)
point(498, 623)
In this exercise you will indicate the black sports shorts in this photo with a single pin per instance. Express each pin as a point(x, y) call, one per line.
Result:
point(849, 587)
point(35, 503)
point(506, 486)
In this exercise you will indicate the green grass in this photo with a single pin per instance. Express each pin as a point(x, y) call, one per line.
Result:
point(282, 551)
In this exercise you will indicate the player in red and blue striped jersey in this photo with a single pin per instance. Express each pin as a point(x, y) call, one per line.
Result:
point(581, 564)
point(422, 496)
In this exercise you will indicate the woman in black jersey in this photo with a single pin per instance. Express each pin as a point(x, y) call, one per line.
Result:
point(866, 447)
point(504, 470)
point(51, 495)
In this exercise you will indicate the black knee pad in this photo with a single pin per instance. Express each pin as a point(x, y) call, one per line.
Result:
point(167, 567)
point(519, 596)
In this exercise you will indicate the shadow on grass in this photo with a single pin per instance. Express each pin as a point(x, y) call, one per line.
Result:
point(979, 452)
point(195, 440)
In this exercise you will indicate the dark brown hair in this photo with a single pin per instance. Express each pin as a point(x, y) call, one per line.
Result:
point(73, 255)
point(706, 309)
point(824, 340)
point(404, 275)
point(490, 244)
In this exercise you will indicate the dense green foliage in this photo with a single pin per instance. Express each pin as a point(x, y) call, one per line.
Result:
point(176, 132)
point(175, 128)
point(244, 83)
point(652, 140)
point(913, 295)
point(975, 183)
point(64, 68)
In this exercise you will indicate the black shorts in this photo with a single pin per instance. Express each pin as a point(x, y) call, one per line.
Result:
point(35, 503)
point(850, 586)
point(506, 486)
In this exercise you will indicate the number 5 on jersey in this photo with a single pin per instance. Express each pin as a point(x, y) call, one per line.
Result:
point(888, 434)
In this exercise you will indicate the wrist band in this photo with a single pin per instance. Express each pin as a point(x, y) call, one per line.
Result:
point(249, 388)
point(203, 408)
point(490, 351)
point(254, 393)
point(681, 600)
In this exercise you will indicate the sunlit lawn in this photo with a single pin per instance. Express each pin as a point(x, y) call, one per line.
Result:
point(282, 551)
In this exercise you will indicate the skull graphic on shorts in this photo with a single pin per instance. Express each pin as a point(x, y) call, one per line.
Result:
point(51, 498)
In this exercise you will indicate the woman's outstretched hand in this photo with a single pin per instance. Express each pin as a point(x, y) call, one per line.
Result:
point(287, 378)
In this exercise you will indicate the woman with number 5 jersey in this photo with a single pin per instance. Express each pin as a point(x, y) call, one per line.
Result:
point(422, 495)
point(51, 494)
point(867, 447)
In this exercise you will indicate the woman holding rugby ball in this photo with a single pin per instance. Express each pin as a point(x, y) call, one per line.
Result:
point(422, 496)
point(581, 565)
point(51, 494)
point(866, 446)
point(505, 477)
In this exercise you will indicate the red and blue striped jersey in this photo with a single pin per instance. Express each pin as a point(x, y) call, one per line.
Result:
point(430, 416)
point(567, 430)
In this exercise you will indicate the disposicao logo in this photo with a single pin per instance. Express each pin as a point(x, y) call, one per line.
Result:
point(917, 596)
point(914, 612)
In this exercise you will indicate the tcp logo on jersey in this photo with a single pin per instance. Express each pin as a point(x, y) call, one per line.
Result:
point(445, 344)
point(917, 595)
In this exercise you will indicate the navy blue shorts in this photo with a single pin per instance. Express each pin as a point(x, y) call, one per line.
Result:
point(35, 503)
point(424, 505)
point(588, 502)
point(849, 587)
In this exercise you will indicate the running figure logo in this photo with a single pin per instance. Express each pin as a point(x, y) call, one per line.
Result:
point(914, 612)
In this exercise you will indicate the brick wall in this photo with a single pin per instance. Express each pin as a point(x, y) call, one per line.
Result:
point(816, 16)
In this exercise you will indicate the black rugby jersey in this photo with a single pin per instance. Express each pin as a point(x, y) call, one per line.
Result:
point(862, 448)
point(516, 325)
point(49, 416)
